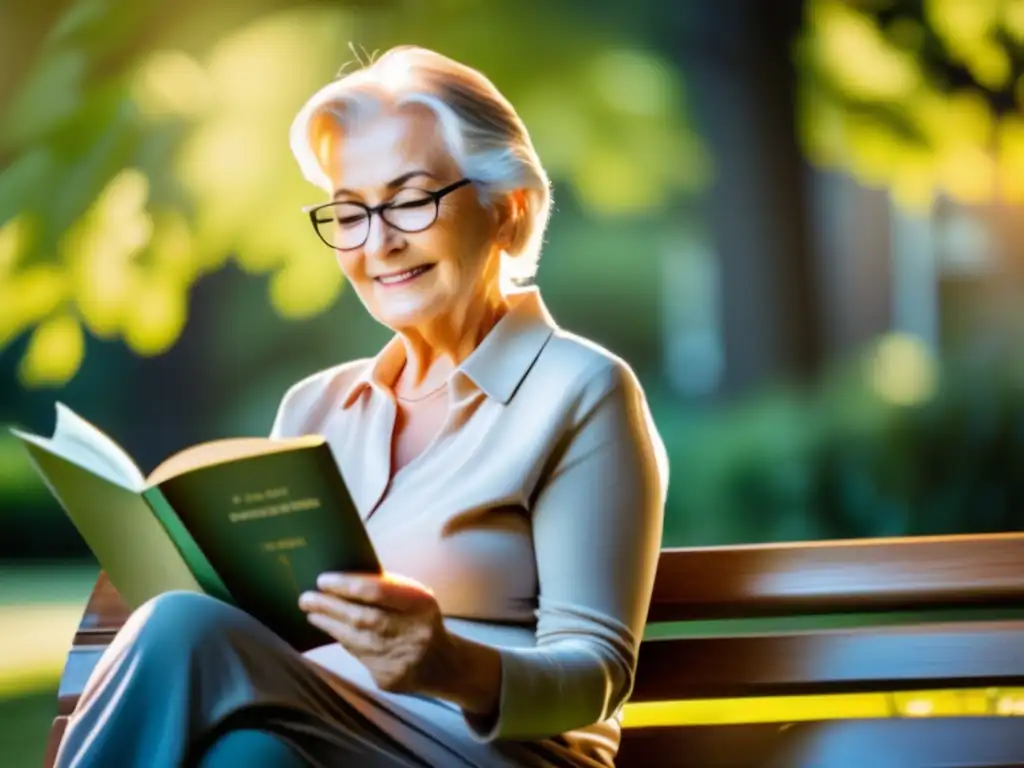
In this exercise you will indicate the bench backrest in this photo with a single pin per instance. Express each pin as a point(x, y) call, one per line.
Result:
point(899, 615)
point(971, 574)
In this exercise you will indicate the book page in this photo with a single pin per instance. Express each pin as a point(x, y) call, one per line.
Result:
point(126, 538)
point(223, 451)
point(76, 440)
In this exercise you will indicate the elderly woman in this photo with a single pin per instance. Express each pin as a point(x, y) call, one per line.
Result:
point(508, 473)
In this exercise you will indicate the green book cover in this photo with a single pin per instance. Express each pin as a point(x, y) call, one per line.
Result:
point(250, 521)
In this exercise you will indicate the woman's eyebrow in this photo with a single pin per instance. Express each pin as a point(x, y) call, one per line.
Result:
point(393, 184)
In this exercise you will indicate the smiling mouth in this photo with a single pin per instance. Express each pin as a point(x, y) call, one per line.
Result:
point(400, 278)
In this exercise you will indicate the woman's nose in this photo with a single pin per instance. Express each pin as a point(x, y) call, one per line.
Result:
point(382, 240)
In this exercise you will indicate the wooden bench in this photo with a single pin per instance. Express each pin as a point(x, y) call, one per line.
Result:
point(924, 614)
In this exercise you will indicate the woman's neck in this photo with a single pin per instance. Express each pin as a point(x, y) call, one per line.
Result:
point(434, 351)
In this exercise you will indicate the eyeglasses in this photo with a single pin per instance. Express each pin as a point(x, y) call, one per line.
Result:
point(345, 225)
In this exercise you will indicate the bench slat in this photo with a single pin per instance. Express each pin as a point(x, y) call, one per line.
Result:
point(838, 576)
point(922, 573)
point(57, 728)
point(105, 612)
point(79, 665)
point(965, 742)
point(970, 654)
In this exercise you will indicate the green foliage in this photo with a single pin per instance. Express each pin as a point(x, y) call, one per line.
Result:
point(25, 725)
point(921, 96)
point(142, 150)
point(847, 462)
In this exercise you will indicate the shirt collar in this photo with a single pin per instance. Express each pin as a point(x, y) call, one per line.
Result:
point(497, 366)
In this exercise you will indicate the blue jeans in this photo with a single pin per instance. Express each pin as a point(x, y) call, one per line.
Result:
point(251, 747)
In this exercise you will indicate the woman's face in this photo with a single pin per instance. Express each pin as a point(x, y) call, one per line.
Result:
point(408, 280)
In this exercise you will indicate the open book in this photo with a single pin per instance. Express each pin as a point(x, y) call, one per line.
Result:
point(251, 521)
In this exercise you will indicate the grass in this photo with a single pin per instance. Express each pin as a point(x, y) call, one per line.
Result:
point(25, 725)
point(40, 608)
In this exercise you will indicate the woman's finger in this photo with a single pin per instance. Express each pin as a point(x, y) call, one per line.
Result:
point(358, 615)
point(392, 593)
point(361, 643)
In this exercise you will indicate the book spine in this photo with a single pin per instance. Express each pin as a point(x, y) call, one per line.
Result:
point(201, 568)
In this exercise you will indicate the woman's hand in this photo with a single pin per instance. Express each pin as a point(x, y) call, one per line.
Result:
point(392, 625)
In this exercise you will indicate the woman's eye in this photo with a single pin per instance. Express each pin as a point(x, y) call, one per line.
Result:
point(348, 215)
point(411, 200)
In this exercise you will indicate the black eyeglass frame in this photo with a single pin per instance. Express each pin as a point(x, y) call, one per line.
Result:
point(435, 196)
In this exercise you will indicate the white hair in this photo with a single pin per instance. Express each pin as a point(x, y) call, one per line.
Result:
point(481, 130)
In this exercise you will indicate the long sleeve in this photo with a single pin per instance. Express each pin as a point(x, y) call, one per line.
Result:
point(597, 524)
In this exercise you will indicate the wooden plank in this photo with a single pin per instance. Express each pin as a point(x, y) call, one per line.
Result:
point(839, 576)
point(105, 611)
point(957, 656)
point(104, 614)
point(969, 742)
point(793, 579)
point(80, 664)
point(971, 654)
point(53, 741)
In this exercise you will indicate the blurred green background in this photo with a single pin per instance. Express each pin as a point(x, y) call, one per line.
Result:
point(798, 221)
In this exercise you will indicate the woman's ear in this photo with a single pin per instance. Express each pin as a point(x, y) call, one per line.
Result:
point(510, 218)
